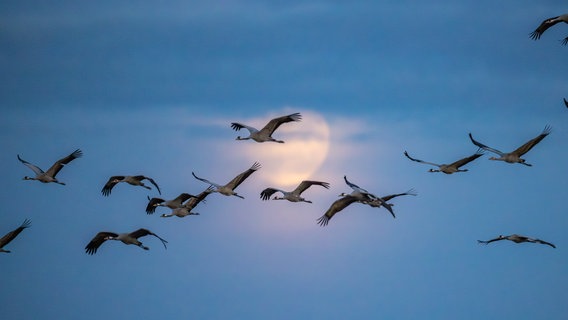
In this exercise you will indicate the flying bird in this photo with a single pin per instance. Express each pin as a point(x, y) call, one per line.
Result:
point(12, 235)
point(294, 195)
point(336, 207)
point(265, 134)
point(229, 188)
point(172, 204)
point(514, 156)
point(366, 197)
point(185, 209)
point(358, 195)
point(544, 25)
point(132, 180)
point(516, 239)
point(49, 175)
point(126, 238)
point(449, 168)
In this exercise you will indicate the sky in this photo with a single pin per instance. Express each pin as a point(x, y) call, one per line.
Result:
point(152, 87)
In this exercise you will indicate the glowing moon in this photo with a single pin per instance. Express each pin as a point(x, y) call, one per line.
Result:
point(287, 164)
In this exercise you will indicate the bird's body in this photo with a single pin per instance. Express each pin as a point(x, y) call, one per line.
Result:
point(366, 197)
point(126, 238)
point(516, 239)
point(547, 23)
point(8, 237)
point(229, 188)
point(132, 180)
point(175, 203)
point(265, 134)
point(514, 156)
point(185, 209)
point(448, 168)
point(49, 175)
point(294, 195)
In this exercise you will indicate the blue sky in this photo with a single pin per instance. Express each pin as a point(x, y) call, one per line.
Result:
point(151, 88)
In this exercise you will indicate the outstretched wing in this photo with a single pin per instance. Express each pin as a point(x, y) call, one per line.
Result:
point(144, 232)
point(535, 35)
point(420, 161)
point(484, 147)
point(34, 168)
point(112, 181)
point(266, 193)
point(531, 143)
point(238, 126)
point(355, 187)
point(386, 205)
point(308, 183)
point(544, 242)
point(152, 203)
point(469, 159)
point(193, 202)
point(14, 233)
point(273, 124)
point(336, 207)
point(410, 192)
point(151, 181)
point(233, 184)
point(97, 241)
point(489, 241)
point(61, 162)
point(205, 180)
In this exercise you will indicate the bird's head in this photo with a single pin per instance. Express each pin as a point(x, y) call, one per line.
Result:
point(433, 170)
point(492, 158)
point(343, 194)
point(27, 178)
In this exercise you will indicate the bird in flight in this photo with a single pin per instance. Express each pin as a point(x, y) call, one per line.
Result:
point(294, 195)
point(265, 134)
point(449, 168)
point(516, 239)
point(514, 156)
point(49, 175)
point(132, 180)
point(229, 188)
point(126, 238)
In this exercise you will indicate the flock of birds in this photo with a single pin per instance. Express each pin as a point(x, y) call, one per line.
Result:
point(182, 205)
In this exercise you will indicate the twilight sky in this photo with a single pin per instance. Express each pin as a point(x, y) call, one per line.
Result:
point(146, 87)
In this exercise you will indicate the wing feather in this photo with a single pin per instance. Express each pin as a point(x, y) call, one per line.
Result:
point(92, 247)
point(531, 143)
point(273, 124)
point(56, 167)
point(14, 233)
